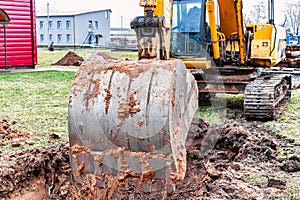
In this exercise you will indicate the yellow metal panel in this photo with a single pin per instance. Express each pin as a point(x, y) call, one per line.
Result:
point(266, 49)
point(196, 63)
point(228, 23)
point(164, 8)
point(210, 7)
point(148, 3)
point(159, 10)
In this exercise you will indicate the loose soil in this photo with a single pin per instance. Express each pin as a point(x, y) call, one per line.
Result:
point(240, 160)
point(70, 59)
point(8, 134)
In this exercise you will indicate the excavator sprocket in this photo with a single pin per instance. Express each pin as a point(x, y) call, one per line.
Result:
point(130, 119)
point(265, 95)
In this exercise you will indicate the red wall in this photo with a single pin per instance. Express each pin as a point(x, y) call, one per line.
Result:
point(20, 34)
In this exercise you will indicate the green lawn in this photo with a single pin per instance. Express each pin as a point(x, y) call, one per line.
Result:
point(37, 102)
point(288, 124)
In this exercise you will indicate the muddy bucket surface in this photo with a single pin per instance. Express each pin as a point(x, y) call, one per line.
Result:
point(130, 119)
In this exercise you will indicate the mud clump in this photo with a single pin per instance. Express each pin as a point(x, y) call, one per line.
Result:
point(8, 134)
point(292, 164)
point(70, 59)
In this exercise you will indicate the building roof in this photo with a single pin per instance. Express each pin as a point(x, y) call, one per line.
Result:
point(69, 13)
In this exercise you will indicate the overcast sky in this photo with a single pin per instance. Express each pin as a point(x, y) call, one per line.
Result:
point(126, 8)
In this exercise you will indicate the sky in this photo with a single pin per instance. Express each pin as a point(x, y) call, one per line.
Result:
point(126, 9)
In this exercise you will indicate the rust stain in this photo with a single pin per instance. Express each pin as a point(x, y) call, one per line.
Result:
point(78, 149)
point(128, 143)
point(149, 147)
point(132, 104)
point(81, 128)
point(174, 178)
point(141, 138)
point(80, 169)
point(128, 109)
point(173, 95)
point(140, 123)
point(147, 176)
point(107, 100)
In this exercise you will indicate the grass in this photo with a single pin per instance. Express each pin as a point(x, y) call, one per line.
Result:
point(37, 102)
point(215, 113)
point(288, 123)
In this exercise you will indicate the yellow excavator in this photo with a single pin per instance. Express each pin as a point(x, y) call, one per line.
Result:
point(130, 119)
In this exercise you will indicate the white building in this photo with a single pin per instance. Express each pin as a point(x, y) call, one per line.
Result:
point(74, 29)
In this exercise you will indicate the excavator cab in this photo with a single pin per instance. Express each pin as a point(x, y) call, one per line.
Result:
point(190, 37)
point(186, 37)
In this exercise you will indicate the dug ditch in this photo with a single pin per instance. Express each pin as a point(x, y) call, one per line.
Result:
point(235, 161)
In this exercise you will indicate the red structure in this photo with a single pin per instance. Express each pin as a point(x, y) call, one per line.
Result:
point(17, 34)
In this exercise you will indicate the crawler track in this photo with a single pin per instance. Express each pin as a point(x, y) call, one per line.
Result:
point(265, 97)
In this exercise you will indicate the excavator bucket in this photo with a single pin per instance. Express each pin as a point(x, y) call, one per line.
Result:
point(130, 119)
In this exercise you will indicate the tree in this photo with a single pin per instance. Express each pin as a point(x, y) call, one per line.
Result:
point(258, 13)
point(43, 9)
point(293, 17)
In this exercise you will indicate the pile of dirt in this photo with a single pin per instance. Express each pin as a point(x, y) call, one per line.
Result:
point(70, 59)
point(7, 134)
point(105, 56)
point(218, 160)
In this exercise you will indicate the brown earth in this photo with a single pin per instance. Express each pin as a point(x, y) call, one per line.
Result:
point(70, 59)
point(222, 164)
point(8, 134)
point(106, 56)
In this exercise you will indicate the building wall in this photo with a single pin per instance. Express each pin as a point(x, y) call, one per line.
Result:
point(45, 35)
point(97, 22)
point(20, 34)
point(82, 23)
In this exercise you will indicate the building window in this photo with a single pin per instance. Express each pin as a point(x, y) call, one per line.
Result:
point(50, 37)
point(50, 24)
point(59, 38)
point(106, 14)
point(42, 38)
point(96, 24)
point(90, 24)
point(59, 24)
point(69, 38)
point(68, 24)
point(42, 25)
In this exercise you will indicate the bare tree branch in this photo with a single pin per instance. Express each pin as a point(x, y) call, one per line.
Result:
point(293, 17)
